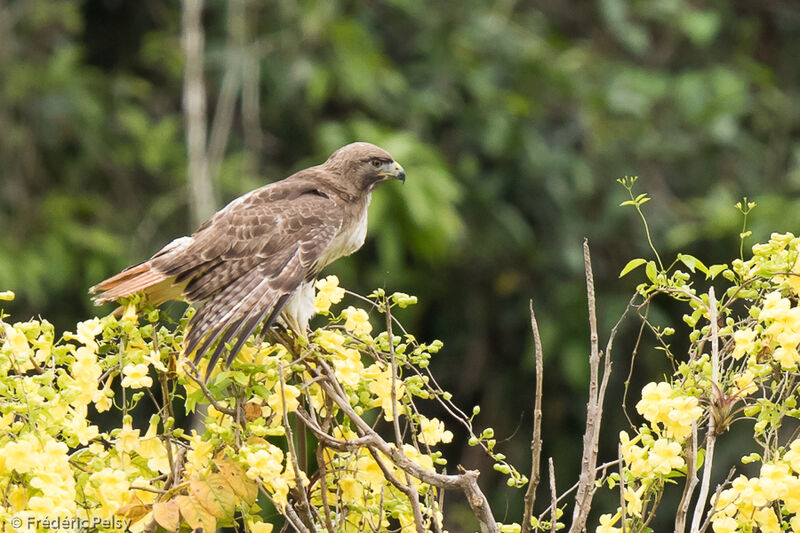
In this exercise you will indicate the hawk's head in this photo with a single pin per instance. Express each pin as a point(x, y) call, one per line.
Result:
point(364, 165)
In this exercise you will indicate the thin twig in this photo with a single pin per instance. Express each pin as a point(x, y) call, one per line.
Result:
point(553, 493)
point(194, 375)
point(622, 505)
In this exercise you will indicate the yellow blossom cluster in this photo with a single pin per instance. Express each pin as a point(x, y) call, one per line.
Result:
point(55, 461)
point(50, 488)
point(751, 503)
point(268, 464)
point(663, 406)
point(357, 321)
point(357, 484)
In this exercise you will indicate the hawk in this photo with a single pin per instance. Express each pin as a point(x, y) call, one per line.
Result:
point(257, 258)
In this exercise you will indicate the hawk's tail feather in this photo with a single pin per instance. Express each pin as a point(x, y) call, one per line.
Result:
point(229, 334)
point(138, 278)
point(253, 324)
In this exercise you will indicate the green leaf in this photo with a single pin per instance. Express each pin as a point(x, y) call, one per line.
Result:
point(693, 263)
point(714, 270)
point(632, 264)
point(651, 271)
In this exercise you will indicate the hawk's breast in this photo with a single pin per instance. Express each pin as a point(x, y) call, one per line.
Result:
point(349, 239)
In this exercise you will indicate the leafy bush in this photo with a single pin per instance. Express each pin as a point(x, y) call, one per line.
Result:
point(329, 433)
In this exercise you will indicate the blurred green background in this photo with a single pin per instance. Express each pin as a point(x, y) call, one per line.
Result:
point(512, 118)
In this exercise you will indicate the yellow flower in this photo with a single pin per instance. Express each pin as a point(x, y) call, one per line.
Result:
point(793, 455)
point(275, 401)
point(654, 403)
point(259, 527)
point(368, 471)
point(381, 387)
point(18, 455)
point(634, 500)
point(725, 524)
point(676, 412)
point(352, 490)
point(136, 377)
point(786, 353)
point(683, 411)
point(432, 432)
point(17, 342)
point(199, 455)
point(87, 331)
point(328, 292)
point(750, 492)
point(128, 439)
point(767, 520)
point(744, 383)
point(154, 358)
point(111, 486)
point(422, 459)
point(357, 321)
point(634, 456)
point(607, 522)
point(774, 307)
point(79, 425)
point(102, 399)
point(331, 341)
point(266, 464)
point(774, 479)
point(665, 456)
point(349, 367)
point(152, 448)
point(744, 340)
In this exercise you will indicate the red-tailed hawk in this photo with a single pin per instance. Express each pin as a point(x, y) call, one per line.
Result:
point(258, 257)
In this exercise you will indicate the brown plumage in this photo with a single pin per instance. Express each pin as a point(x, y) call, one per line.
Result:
point(258, 257)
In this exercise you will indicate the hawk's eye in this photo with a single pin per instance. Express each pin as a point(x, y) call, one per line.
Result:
point(376, 163)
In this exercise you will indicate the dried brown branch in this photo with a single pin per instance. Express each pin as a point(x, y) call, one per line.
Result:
point(553, 500)
point(305, 506)
point(691, 483)
point(594, 408)
point(466, 481)
point(536, 442)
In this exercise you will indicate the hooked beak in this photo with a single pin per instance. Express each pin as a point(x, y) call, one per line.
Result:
point(394, 170)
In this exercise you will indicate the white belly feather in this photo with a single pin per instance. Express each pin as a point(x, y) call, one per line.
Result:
point(300, 306)
point(345, 242)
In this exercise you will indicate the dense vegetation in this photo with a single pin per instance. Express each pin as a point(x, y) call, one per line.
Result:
point(512, 119)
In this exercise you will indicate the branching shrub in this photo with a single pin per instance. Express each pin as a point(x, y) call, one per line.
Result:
point(328, 432)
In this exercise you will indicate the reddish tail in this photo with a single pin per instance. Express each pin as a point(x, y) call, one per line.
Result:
point(138, 278)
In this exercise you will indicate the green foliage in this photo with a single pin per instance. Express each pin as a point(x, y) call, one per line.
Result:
point(511, 118)
point(329, 426)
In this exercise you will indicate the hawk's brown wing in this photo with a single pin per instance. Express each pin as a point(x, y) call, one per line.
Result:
point(246, 262)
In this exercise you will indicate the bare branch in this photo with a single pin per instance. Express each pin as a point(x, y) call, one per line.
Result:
point(691, 483)
point(553, 501)
point(711, 435)
point(594, 408)
point(536, 442)
point(466, 481)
